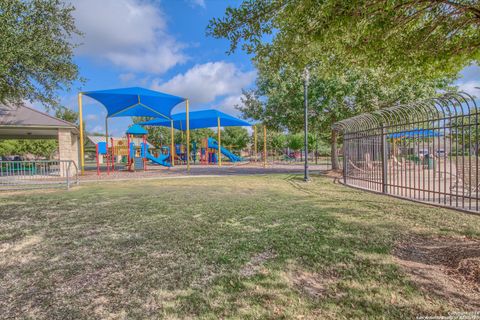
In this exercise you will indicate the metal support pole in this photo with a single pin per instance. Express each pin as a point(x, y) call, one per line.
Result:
point(188, 137)
point(305, 118)
point(82, 151)
point(219, 160)
point(172, 145)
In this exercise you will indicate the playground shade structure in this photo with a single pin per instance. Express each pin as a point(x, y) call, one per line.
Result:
point(203, 119)
point(129, 102)
point(135, 102)
point(198, 120)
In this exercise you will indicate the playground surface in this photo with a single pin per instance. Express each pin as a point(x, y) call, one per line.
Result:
point(256, 246)
point(155, 171)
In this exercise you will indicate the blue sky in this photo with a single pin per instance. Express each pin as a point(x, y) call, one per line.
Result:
point(162, 45)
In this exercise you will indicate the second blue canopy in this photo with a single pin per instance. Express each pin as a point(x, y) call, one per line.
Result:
point(198, 120)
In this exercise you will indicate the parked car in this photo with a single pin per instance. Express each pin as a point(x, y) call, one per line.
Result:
point(441, 153)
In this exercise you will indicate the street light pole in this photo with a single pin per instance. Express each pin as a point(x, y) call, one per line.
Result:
point(306, 77)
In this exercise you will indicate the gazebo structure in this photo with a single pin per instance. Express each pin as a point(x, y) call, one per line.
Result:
point(134, 102)
point(198, 120)
point(22, 122)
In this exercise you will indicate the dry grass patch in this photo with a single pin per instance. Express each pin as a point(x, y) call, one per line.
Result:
point(263, 247)
point(444, 266)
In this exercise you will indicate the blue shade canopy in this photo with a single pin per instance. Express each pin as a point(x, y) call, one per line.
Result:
point(136, 130)
point(415, 133)
point(198, 120)
point(135, 102)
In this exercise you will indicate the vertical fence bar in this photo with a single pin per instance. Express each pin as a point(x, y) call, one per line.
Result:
point(428, 151)
point(384, 157)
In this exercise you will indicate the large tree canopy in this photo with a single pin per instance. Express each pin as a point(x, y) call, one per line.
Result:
point(427, 35)
point(278, 99)
point(362, 54)
point(36, 51)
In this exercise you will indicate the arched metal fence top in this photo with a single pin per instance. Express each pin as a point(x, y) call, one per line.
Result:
point(428, 110)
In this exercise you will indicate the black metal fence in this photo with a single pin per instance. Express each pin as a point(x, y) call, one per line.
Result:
point(16, 175)
point(426, 151)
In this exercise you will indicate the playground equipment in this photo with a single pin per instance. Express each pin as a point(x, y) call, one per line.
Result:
point(209, 152)
point(135, 156)
point(128, 102)
point(205, 119)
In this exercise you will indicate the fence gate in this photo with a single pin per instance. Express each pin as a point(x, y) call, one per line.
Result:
point(426, 151)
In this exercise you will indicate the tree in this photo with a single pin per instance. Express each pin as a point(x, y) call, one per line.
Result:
point(67, 115)
point(363, 54)
point(295, 141)
point(278, 141)
point(44, 148)
point(36, 50)
point(277, 99)
point(198, 134)
point(433, 36)
point(236, 138)
point(158, 136)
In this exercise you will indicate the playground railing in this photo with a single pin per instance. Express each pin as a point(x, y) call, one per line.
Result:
point(17, 175)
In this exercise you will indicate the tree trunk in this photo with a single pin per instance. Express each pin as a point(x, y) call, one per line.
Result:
point(316, 149)
point(334, 153)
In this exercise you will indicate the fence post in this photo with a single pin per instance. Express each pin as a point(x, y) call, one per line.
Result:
point(384, 160)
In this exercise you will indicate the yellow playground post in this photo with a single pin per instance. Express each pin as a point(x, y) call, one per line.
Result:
point(82, 151)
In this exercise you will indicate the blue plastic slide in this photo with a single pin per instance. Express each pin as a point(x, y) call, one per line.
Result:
point(212, 143)
point(161, 160)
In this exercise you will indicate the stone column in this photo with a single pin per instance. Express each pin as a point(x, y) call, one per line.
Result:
point(67, 149)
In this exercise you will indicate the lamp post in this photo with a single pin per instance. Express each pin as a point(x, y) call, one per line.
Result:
point(306, 77)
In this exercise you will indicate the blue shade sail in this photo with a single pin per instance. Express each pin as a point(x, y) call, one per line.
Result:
point(415, 133)
point(135, 102)
point(136, 130)
point(199, 120)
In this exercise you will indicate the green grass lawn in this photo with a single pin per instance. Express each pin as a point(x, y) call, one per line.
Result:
point(228, 247)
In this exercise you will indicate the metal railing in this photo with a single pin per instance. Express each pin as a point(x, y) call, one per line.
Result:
point(426, 151)
point(15, 175)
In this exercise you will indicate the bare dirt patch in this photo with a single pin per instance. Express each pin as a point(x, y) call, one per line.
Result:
point(445, 266)
point(255, 265)
point(314, 284)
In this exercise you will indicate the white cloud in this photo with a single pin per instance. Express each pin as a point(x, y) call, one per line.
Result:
point(97, 129)
point(129, 33)
point(126, 77)
point(228, 105)
point(203, 83)
point(200, 3)
point(92, 117)
point(470, 87)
